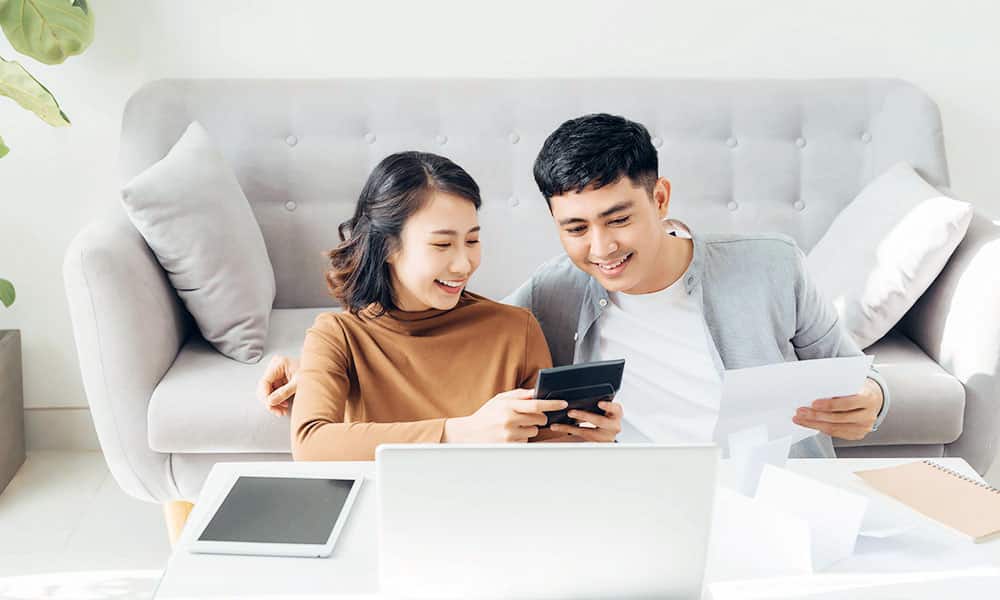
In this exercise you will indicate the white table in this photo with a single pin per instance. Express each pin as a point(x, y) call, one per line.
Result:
point(902, 561)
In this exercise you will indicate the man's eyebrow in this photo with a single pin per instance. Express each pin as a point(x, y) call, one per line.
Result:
point(625, 204)
point(453, 232)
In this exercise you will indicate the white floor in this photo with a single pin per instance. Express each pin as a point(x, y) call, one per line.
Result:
point(67, 531)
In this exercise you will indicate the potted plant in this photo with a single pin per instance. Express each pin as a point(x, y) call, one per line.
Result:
point(12, 447)
point(48, 31)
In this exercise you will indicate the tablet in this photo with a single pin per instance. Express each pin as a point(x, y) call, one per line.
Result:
point(581, 386)
point(277, 515)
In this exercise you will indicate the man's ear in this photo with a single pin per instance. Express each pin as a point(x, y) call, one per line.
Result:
point(661, 196)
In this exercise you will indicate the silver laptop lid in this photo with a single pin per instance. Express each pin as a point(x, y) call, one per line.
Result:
point(544, 520)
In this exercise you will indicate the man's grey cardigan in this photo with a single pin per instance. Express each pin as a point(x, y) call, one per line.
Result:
point(759, 303)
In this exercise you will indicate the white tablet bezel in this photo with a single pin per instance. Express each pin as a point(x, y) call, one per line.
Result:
point(275, 549)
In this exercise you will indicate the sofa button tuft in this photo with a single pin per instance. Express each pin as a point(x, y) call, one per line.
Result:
point(370, 137)
point(290, 205)
point(514, 137)
point(441, 139)
point(291, 140)
point(800, 142)
point(799, 205)
point(732, 142)
point(732, 206)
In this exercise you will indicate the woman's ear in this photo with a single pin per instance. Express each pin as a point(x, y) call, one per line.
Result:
point(393, 252)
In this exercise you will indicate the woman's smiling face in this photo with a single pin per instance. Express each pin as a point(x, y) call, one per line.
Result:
point(438, 252)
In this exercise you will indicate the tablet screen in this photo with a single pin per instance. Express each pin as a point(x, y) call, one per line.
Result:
point(279, 510)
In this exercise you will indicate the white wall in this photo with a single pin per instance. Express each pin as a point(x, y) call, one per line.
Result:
point(55, 180)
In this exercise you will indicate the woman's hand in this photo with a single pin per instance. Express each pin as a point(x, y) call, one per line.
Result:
point(602, 429)
point(513, 416)
point(276, 389)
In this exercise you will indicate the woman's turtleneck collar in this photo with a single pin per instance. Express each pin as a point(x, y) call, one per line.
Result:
point(412, 322)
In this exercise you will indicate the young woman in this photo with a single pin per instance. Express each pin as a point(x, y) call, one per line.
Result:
point(414, 357)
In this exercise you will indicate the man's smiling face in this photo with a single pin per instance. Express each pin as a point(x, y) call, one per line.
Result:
point(615, 234)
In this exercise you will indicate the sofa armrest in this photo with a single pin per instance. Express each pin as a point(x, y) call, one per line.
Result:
point(129, 325)
point(957, 323)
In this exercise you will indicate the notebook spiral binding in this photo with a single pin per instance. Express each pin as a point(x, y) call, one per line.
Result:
point(974, 482)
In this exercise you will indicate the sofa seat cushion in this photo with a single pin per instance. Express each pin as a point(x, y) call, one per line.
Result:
point(206, 402)
point(928, 403)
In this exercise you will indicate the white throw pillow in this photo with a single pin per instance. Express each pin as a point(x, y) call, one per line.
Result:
point(885, 249)
point(191, 211)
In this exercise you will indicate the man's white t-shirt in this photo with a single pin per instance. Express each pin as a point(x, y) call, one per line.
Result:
point(671, 389)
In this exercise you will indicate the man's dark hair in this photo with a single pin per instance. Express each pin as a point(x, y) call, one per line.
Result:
point(398, 187)
point(595, 150)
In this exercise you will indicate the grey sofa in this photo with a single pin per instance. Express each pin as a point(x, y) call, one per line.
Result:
point(743, 155)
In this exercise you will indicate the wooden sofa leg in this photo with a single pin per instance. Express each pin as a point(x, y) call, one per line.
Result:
point(176, 513)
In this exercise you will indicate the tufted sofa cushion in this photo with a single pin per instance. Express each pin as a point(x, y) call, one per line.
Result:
point(782, 156)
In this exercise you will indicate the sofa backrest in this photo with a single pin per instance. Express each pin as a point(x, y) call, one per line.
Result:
point(742, 155)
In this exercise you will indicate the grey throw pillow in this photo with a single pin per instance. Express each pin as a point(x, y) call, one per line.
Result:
point(192, 213)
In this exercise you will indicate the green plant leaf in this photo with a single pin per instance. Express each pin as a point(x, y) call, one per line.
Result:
point(27, 91)
point(3, 149)
point(7, 294)
point(49, 31)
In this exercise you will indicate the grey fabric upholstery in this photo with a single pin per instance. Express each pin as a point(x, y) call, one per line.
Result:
point(128, 324)
point(909, 451)
point(957, 323)
point(193, 215)
point(928, 403)
point(720, 142)
point(206, 403)
point(930, 409)
point(743, 155)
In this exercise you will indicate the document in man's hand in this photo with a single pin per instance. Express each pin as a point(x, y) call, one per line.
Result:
point(769, 395)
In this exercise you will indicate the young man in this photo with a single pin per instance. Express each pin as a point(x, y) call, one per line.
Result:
point(680, 308)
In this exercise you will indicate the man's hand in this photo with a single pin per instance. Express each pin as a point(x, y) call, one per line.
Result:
point(276, 389)
point(845, 417)
point(605, 429)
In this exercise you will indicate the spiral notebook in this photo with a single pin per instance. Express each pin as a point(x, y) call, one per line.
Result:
point(960, 502)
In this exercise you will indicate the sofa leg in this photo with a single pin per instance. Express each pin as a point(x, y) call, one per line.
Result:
point(176, 513)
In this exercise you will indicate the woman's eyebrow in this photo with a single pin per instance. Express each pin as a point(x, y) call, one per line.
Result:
point(453, 232)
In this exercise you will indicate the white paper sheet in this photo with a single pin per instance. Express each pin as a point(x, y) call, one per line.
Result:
point(886, 517)
point(749, 451)
point(834, 515)
point(921, 549)
point(750, 540)
point(770, 395)
point(744, 440)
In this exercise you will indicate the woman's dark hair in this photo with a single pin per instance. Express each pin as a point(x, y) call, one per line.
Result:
point(595, 150)
point(398, 187)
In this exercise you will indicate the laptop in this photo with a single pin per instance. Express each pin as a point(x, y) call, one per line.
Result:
point(544, 520)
